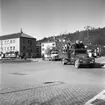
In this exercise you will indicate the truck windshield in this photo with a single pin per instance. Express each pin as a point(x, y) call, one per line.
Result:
point(54, 52)
point(81, 51)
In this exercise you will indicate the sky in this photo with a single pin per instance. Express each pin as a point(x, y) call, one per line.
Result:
point(43, 18)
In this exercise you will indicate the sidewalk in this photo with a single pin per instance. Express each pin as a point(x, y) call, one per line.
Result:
point(21, 60)
point(36, 59)
point(98, 99)
point(55, 93)
point(14, 60)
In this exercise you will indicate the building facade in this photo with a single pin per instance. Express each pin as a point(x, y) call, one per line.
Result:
point(46, 46)
point(38, 51)
point(20, 43)
point(7, 45)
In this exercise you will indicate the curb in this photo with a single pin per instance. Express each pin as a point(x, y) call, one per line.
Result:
point(14, 61)
point(97, 100)
point(36, 60)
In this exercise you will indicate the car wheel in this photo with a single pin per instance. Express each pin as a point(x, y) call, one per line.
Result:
point(77, 64)
point(64, 62)
point(91, 65)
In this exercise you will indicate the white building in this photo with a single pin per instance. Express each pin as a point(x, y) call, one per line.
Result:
point(45, 46)
point(7, 45)
point(18, 42)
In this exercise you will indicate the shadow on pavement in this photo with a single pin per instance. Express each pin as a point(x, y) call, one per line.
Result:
point(96, 65)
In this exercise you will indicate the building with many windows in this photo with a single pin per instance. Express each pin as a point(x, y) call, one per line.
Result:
point(45, 46)
point(18, 43)
point(38, 51)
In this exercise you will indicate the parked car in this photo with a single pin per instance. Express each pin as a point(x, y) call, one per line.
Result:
point(54, 56)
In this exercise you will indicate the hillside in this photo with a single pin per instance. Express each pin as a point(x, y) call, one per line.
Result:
point(93, 36)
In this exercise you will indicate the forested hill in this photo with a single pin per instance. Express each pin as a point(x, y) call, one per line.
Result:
point(93, 36)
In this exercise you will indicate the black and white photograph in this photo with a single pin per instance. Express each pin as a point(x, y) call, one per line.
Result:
point(52, 52)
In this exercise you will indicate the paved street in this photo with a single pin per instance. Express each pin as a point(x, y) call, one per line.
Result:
point(49, 83)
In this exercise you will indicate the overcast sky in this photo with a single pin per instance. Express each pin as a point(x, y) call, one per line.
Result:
point(42, 18)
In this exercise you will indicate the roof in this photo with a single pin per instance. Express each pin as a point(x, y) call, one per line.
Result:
point(15, 35)
point(48, 42)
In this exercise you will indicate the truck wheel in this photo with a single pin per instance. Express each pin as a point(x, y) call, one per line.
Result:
point(77, 64)
point(64, 62)
point(91, 65)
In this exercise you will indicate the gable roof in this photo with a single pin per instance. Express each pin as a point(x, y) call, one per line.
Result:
point(16, 35)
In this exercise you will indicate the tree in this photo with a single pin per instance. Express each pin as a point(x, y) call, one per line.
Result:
point(48, 50)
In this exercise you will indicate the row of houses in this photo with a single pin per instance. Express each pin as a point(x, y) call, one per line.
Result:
point(22, 45)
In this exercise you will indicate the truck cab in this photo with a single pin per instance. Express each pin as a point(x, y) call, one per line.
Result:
point(77, 57)
point(81, 57)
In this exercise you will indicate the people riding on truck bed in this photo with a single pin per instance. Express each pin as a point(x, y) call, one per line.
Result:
point(77, 54)
point(78, 45)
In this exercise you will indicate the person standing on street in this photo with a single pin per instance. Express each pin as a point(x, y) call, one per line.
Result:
point(81, 45)
point(90, 54)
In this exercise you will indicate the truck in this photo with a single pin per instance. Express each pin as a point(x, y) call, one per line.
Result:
point(77, 57)
point(54, 56)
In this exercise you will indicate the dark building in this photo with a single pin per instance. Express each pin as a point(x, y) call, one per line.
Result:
point(38, 50)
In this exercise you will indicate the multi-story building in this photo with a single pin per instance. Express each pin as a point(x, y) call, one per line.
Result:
point(38, 51)
point(45, 46)
point(21, 43)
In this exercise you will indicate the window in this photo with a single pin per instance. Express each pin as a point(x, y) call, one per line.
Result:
point(13, 47)
point(2, 49)
point(24, 48)
point(37, 48)
point(43, 49)
point(30, 50)
point(10, 41)
point(5, 42)
point(23, 41)
point(7, 48)
point(14, 41)
point(30, 42)
point(37, 51)
point(1, 42)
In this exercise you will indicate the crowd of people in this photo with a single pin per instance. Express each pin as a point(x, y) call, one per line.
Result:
point(78, 45)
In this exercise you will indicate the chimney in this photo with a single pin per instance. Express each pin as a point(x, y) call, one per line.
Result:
point(21, 30)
